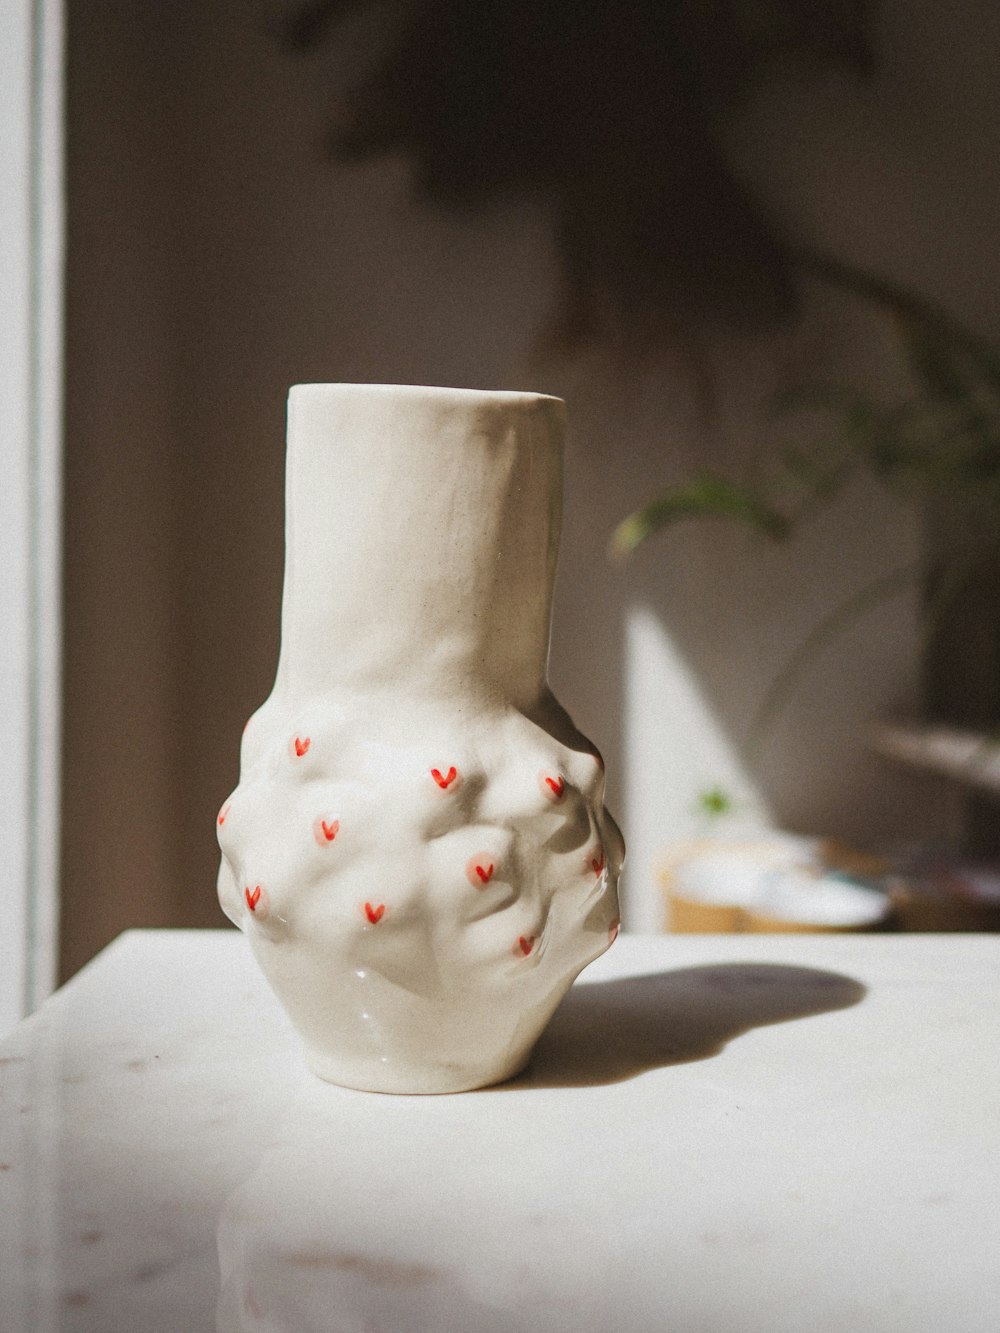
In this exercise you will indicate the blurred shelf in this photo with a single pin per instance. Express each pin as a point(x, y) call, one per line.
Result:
point(969, 757)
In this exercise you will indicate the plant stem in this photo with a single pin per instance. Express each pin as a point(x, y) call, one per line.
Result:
point(843, 615)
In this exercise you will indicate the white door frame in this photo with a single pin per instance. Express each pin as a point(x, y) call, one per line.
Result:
point(31, 300)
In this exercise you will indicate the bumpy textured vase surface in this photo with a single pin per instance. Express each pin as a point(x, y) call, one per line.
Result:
point(418, 849)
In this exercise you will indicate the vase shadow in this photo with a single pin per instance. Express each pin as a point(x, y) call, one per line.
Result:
point(609, 1031)
point(459, 1213)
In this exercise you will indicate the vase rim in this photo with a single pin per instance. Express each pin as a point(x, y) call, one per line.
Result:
point(424, 390)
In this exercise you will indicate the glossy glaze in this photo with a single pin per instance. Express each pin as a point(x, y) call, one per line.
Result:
point(410, 735)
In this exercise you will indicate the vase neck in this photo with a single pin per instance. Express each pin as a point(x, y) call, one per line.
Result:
point(421, 535)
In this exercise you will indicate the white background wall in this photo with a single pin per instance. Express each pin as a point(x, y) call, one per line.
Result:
point(217, 256)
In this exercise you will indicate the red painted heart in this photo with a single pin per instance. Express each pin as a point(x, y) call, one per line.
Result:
point(597, 863)
point(479, 870)
point(325, 830)
point(301, 746)
point(526, 943)
point(374, 914)
point(556, 786)
point(444, 780)
point(252, 898)
point(223, 812)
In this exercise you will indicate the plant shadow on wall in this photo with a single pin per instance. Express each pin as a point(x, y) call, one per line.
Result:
point(614, 118)
point(611, 115)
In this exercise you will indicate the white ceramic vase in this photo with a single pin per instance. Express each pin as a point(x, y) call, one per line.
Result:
point(418, 849)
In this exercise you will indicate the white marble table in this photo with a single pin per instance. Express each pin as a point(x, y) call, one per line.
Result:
point(718, 1133)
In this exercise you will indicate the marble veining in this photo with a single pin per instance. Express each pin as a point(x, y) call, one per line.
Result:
point(760, 1133)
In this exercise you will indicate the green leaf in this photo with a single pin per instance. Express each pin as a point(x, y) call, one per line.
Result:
point(705, 496)
point(715, 801)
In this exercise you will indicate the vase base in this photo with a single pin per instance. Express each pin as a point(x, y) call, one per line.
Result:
point(412, 1080)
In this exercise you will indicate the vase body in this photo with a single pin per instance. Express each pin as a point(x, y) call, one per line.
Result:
point(418, 848)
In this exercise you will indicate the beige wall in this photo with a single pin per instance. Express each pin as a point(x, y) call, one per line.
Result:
point(216, 257)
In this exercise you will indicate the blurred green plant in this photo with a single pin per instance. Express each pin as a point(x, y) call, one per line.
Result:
point(943, 436)
point(715, 802)
point(938, 437)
